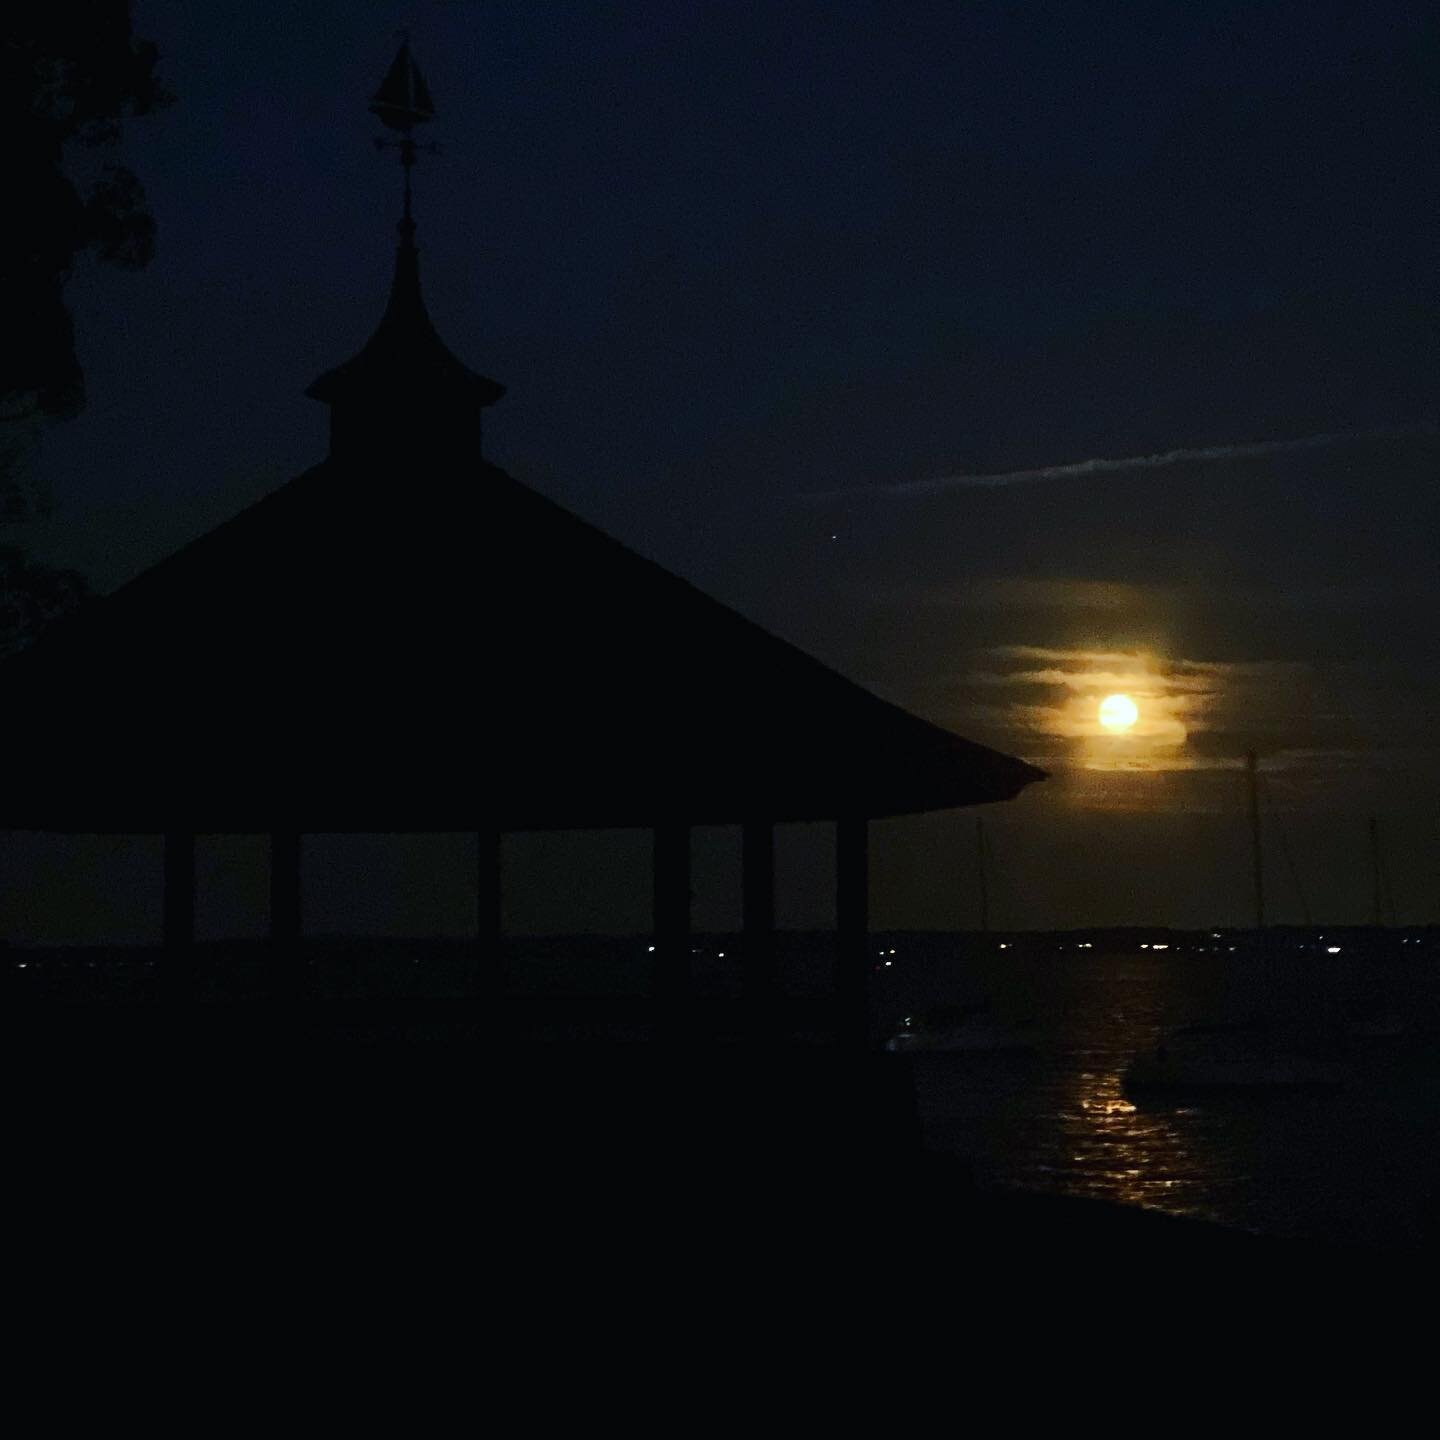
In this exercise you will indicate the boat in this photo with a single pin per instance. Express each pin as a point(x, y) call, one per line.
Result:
point(960, 1029)
point(1230, 1056)
point(1380, 1027)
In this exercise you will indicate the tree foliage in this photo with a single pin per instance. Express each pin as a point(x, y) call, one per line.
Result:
point(71, 73)
point(33, 595)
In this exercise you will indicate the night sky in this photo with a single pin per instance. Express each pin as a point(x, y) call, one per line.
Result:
point(1002, 356)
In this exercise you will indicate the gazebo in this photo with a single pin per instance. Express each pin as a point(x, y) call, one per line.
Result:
point(406, 639)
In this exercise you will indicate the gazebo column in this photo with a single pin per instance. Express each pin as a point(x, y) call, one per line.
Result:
point(284, 887)
point(178, 905)
point(672, 914)
point(757, 848)
point(852, 925)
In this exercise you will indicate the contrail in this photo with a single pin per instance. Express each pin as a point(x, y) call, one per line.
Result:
point(1107, 466)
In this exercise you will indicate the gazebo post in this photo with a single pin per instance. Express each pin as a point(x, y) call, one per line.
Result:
point(284, 888)
point(852, 925)
point(672, 916)
point(178, 905)
point(757, 859)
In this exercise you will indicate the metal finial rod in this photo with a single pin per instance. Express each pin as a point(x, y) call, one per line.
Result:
point(407, 163)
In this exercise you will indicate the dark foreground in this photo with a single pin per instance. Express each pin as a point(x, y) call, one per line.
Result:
point(397, 1211)
point(538, 1216)
point(415, 1124)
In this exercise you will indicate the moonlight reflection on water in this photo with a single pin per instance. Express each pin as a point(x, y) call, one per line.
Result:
point(1126, 1154)
point(1355, 1164)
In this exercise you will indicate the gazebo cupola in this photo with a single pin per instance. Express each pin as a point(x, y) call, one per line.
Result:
point(405, 389)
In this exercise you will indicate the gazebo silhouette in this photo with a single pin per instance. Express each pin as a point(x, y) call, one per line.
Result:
point(406, 639)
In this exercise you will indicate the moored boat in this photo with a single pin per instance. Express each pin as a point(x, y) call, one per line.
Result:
point(1241, 1057)
point(960, 1030)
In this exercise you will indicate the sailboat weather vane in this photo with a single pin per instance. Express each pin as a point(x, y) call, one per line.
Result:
point(401, 103)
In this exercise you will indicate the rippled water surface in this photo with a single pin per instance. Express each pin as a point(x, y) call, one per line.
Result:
point(1357, 1163)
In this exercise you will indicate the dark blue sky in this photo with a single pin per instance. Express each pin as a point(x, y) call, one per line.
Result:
point(727, 256)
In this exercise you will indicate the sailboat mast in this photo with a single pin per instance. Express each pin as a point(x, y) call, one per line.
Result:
point(1257, 861)
point(1376, 916)
point(984, 879)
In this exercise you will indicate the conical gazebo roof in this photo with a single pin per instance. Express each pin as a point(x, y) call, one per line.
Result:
point(332, 660)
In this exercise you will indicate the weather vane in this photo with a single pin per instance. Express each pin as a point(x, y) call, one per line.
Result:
point(401, 103)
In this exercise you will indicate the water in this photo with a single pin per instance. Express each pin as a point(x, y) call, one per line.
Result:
point(1360, 1164)
point(1355, 1165)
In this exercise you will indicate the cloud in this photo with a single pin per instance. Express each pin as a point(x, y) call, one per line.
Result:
point(1064, 656)
point(1194, 714)
point(1136, 680)
point(1103, 465)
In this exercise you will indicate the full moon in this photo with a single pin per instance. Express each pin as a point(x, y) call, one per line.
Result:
point(1118, 712)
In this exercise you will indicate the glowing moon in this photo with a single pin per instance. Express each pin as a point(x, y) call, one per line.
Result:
point(1118, 712)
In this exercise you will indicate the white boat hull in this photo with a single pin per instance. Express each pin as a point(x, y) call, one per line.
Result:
point(962, 1041)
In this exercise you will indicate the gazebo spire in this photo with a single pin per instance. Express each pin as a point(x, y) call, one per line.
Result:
point(405, 387)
